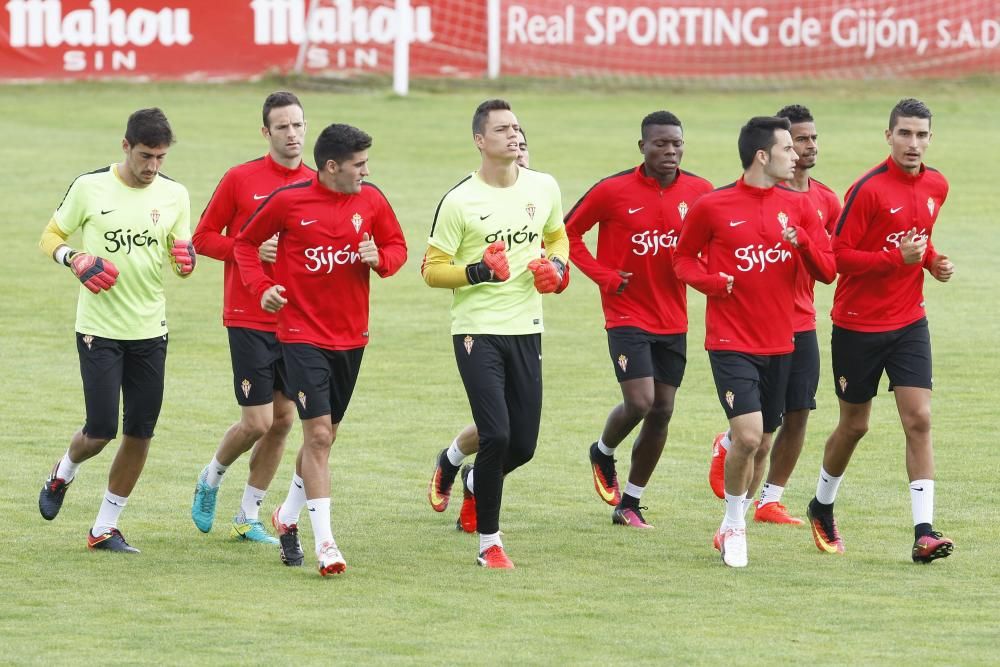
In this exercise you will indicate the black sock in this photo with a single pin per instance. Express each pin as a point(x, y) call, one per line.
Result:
point(921, 529)
point(816, 507)
point(629, 501)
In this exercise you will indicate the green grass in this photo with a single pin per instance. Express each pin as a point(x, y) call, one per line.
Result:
point(584, 591)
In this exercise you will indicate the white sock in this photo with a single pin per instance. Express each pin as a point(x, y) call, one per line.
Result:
point(294, 502)
point(455, 455)
point(734, 511)
point(604, 449)
point(67, 469)
point(826, 487)
point(487, 541)
point(107, 516)
point(725, 442)
point(922, 500)
point(250, 505)
point(319, 517)
point(215, 472)
point(468, 481)
point(771, 493)
point(634, 490)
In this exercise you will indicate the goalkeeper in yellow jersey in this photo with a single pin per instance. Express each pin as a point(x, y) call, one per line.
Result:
point(132, 221)
point(486, 245)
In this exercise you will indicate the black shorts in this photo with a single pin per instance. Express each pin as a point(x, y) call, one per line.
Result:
point(749, 383)
point(803, 379)
point(130, 369)
point(258, 367)
point(639, 354)
point(860, 357)
point(321, 381)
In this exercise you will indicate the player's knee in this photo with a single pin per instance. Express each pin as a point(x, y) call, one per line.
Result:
point(917, 421)
point(638, 407)
point(281, 424)
point(659, 414)
point(255, 425)
point(318, 437)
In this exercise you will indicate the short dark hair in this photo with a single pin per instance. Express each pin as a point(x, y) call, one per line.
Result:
point(524, 135)
point(276, 100)
point(909, 108)
point(758, 135)
point(149, 127)
point(659, 118)
point(483, 111)
point(795, 113)
point(339, 142)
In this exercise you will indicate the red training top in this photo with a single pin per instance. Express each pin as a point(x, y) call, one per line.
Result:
point(876, 291)
point(638, 226)
point(827, 206)
point(739, 228)
point(325, 281)
point(236, 197)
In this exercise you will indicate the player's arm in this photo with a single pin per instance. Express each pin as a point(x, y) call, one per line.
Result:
point(218, 214)
point(548, 271)
point(262, 225)
point(182, 253)
point(96, 273)
point(439, 270)
point(688, 265)
point(813, 246)
point(388, 242)
point(581, 219)
point(850, 230)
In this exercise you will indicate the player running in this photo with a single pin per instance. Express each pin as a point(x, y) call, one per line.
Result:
point(132, 219)
point(803, 379)
point(639, 213)
point(882, 243)
point(753, 235)
point(335, 231)
point(266, 411)
point(485, 244)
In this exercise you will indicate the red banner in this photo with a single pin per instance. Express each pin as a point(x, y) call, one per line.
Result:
point(203, 39)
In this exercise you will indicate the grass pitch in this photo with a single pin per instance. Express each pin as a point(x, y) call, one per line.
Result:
point(584, 591)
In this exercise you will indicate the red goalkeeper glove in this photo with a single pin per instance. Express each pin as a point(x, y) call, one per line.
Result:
point(493, 268)
point(548, 275)
point(564, 283)
point(183, 257)
point(96, 273)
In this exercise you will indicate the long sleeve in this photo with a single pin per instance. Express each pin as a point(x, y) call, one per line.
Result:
point(390, 241)
point(695, 236)
point(208, 237)
point(851, 229)
point(580, 220)
point(816, 253)
point(264, 224)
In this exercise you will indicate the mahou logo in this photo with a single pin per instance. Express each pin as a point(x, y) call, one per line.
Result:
point(42, 23)
point(333, 22)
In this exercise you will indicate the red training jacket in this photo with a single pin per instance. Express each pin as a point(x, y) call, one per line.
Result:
point(827, 206)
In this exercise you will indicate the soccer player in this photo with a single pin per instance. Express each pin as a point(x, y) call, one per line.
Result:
point(132, 219)
point(266, 411)
point(751, 236)
point(803, 379)
point(882, 244)
point(639, 213)
point(485, 244)
point(335, 231)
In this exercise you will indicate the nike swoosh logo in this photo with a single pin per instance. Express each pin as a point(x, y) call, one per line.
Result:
point(298, 486)
point(896, 210)
point(436, 499)
point(736, 223)
point(110, 210)
point(306, 222)
point(602, 491)
point(483, 217)
point(256, 196)
point(917, 489)
point(635, 210)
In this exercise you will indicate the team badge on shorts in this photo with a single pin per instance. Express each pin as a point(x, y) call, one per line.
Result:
point(782, 219)
point(623, 362)
point(245, 386)
point(302, 399)
point(842, 381)
point(730, 398)
point(530, 210)
point(467, 342)
point(930, 205)
point(682, 209)
point(88, 340)
point(154, 215)
point(356, 220)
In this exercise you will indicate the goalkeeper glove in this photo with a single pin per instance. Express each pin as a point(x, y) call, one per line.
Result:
point(96, 273)
point(493, 268)
point(564, 283)
point(183, 257)
point(548, 274)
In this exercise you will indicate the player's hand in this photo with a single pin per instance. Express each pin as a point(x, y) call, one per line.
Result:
point(493, 268)
point(368, 251)
point(729, 282)
point(271, 300)
point(183, 256)
point(791, 234)
point(564, 283)
point(547, 275)
point(625, 275)
point(942, 269)
point(268, 250)
point(913, 247)
point(96, 273)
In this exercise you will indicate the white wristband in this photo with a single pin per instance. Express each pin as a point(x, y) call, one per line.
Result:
point(61, 253)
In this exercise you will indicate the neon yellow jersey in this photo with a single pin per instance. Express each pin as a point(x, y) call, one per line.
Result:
point(470, 217)
point(129, 227)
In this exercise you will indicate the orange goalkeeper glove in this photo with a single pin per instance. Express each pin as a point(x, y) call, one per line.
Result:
point(492, 269)
point(548, 274)
point(183, 256)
